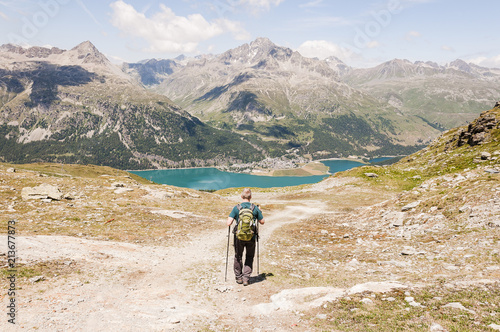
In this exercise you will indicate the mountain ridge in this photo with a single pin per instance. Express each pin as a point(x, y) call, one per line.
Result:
point(261, 94)
point(76, 107)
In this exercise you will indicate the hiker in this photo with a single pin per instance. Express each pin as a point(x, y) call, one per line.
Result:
point(244, 236)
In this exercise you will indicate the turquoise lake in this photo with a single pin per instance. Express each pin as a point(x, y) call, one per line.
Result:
point(213, 179)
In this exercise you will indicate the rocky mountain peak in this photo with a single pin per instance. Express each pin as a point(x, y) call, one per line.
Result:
point(257, 53)
point(88, 53)
point(461, 65)
point(262, 43)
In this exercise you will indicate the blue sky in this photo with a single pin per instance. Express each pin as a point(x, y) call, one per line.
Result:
point(361, 33)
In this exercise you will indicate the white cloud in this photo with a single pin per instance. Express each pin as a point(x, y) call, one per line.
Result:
point(166, 32)
point(313, 3)
point(492, 62)
point(321, 49)
point(373, 44)
point(261, 4)
point(447, 48)
point(412, 34)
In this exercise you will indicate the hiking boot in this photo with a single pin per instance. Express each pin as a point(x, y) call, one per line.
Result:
point(239, 281)
point(245, 283)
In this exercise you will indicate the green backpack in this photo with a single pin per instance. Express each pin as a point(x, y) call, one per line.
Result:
point(246, 223)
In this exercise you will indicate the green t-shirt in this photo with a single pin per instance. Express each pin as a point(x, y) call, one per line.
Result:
point(256, 212)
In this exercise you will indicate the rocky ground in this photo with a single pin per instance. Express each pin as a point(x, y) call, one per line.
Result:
point(413, 246)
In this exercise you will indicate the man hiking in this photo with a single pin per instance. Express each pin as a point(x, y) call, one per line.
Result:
point(245, 233)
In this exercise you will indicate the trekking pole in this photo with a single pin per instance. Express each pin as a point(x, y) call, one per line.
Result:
point(258, 272)
point(227, 253)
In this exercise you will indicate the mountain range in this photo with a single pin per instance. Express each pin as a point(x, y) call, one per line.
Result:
point(256, 101)
point(76, 107)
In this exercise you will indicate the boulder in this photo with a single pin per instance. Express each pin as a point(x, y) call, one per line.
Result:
point(43, 191)
point(11, 170)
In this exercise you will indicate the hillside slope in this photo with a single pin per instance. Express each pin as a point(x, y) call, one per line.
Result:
point(444, 96)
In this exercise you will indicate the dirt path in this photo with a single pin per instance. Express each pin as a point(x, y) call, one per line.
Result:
point(129, 287)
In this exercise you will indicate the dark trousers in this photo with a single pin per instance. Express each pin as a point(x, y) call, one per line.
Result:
point(243, 271)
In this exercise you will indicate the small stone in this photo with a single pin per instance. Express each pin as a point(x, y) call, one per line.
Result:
point(415, 304)
point(122, 190)
point(367, 301)
point(36, 279)
point(11, 170)
point(391, 299)
point(495, 327)
point(485, 156)
point(409, 299)
point(435, 327)
point(118, 185)
point(491, 171)
point(324, 232)
point(417, 177)
point(458, 305)
point(410, 206)
point(464, 209)
point(371, 175)
point(321, 316)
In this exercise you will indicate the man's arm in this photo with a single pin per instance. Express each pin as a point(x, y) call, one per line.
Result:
point(261, 221)
point(229, 221)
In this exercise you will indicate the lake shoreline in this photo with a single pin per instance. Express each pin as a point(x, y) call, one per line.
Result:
point(302, 171)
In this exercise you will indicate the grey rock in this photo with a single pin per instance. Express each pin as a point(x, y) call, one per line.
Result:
point(36, 279)
point(11, 170)
point(118, 185)
point(123, 190)
point(371, 175)
point(492, 171)
point(464, 209)
point(485, 156)
point(458, 305)
point(410, 206)
point(397, 218)
point(415, 304)
point(435, 327)
point(43, 191)
point(367, 301)
point(495, 327)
